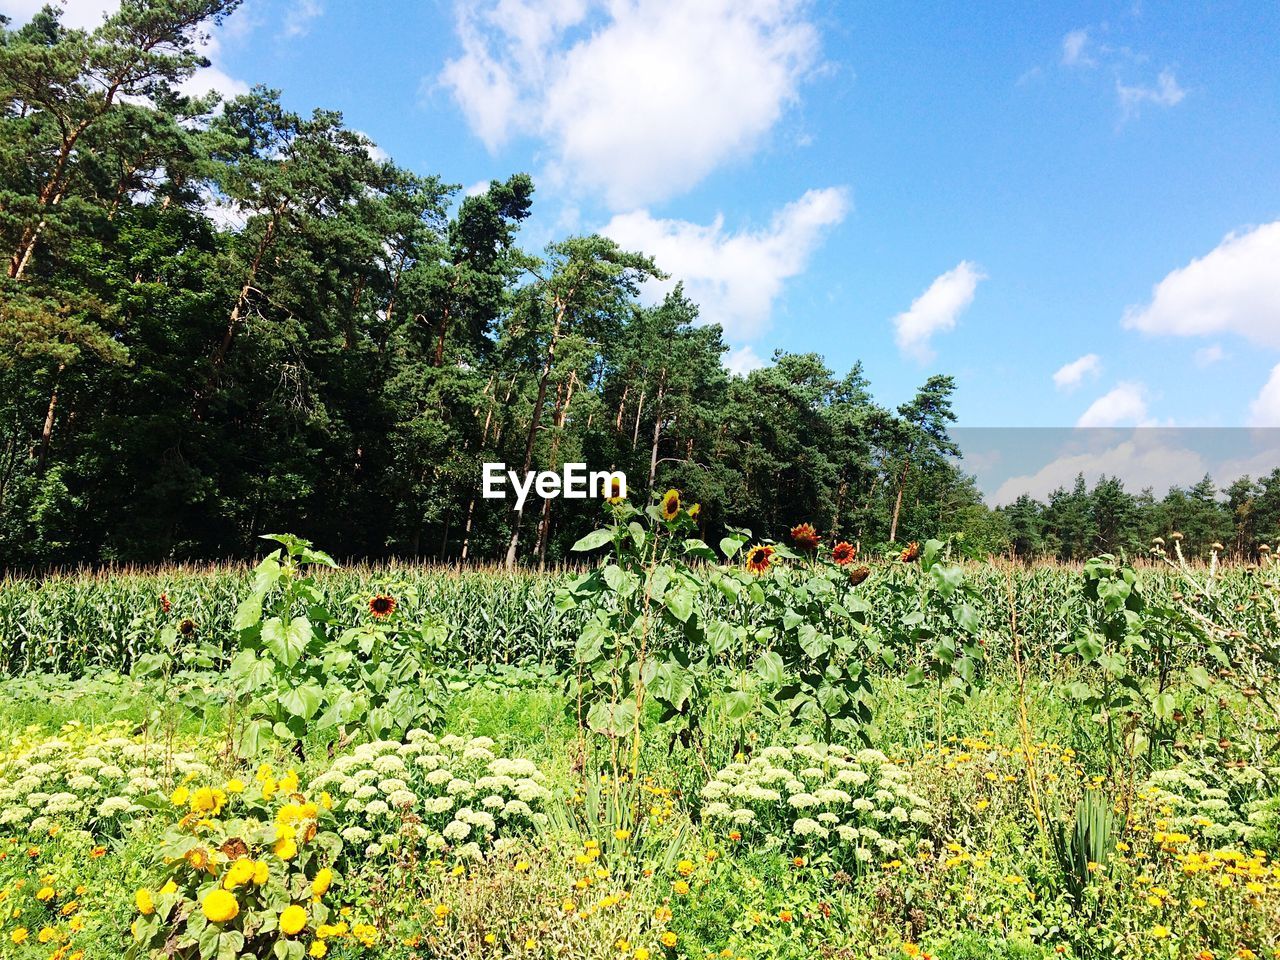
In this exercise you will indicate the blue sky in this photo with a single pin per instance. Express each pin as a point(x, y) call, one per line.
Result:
point(992, 191)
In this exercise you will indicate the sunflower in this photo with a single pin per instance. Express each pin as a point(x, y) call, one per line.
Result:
point(758, 558)
point(910, 554)
point(860, 574)
point(616, 491)
point(187, 627)
point(670, 505)
point(382, 606)
point(804, 536)
point(843, 552)
point(695, 511)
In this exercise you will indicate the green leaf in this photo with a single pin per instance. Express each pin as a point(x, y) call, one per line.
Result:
point(303, 700)
point(737, 705)
point(594, 539)
point(770, 668)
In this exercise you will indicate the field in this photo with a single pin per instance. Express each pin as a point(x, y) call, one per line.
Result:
point(680, 750)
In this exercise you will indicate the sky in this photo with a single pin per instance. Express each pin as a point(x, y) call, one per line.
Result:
point(1073, 209)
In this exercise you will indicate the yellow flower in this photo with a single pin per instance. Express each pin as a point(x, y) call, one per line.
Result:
point(681, 887)
point(685, 868)
point(530, 943)
point(19, 935)
point(318, 949)
point(261, 871)
point(669, 939)
point(240, 873)
point(235, 786)
point(292, 919)
point(289, 782)
point(320, 885)
point(169, 887)
point(670, 504)
point(1160, 931)
point(522, 866)
point(326, 801)
point(179, 797)
point(442, 911)
point(490, 939)
point(142, 899)
point(45, 894)
point(219, 906)
point(621, 834)
point(286, 848)
point(208, 800)
point(641, 953)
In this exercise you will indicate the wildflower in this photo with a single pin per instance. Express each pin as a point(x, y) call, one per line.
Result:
point(179, 797)
point(844, 552)
point(142, 900)
point(318, 949)
point(261, 871)
point(695, 511)
point(805, 536)
point(522, 866)
point(911, 553)
point(320, 885)
point(19, 936)
point(662, 915)
point(219, 906)
point(1160, 932)
point(45, 894)
point(681, 887)
point(669, 939)
point(670, 504)
point(785, 916)
point(286, 848)
point(759, 558)
point(685, 868)
point(382, 605)
point(187, 627)
point(238, 874)
point(442, 911)
point(198, 858)
point(292, 919)
point(208, 800)
point(641, 954)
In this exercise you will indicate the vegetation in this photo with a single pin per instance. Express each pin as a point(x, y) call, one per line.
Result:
point(762, 749)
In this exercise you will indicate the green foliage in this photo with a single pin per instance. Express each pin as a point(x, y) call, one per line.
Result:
point(300, 671)
point(1086, 845)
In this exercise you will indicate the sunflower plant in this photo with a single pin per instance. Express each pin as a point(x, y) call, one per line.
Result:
point(304, 670)
point(243, 872)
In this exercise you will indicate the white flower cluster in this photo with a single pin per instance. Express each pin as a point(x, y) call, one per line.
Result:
point(449, 792)
point(1227, 805)
point(819, 797)
point(80, 779)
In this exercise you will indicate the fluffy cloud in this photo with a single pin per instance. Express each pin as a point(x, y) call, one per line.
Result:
point(1235, 288)
point(1125, 405)
point(734, 276)
point(1265, 409)
point(937, 309)
point(77, 13)
point(1164, 93)
point(1208, 356)
point(1074, 46)
point(1072, 374)
point(743, 360)
point(1148, 458)
point(297, 20)
point(636, 99)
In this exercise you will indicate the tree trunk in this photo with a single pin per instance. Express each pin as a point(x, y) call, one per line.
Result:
point(535, 417)
point(47, 432)
point(561, 414)
point(897, 502)
point(657, 430)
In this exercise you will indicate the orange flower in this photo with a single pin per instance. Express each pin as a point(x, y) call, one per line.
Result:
point(911, 553)
point(382, 606)
point(856, 576)
point(804, 536)
point(759, 558)
point(843, 552)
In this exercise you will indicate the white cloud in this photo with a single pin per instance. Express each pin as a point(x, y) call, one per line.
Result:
point(1141, 460)
point(1235, 288)
point(734, 277)
point(1165, 93)
point(1072, 374)
point(743, 360)
point(1207, 356)
point(637, 100)
point(77, 13)
point(1073, 49)
point(1123, 406)
point(937, 309)
point(297, 21)
point(1265, 409)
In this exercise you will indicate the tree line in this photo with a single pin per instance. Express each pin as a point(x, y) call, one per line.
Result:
point(225, 319)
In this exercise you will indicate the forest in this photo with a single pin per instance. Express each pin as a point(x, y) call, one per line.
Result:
point(221, 319)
